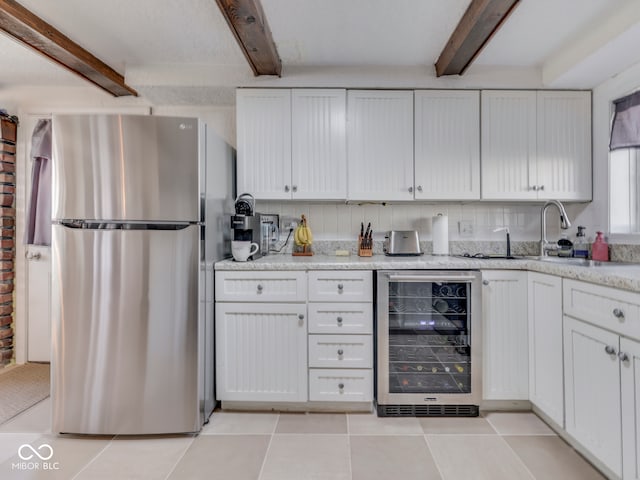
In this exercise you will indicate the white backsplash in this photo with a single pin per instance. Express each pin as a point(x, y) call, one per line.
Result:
point(340, 221)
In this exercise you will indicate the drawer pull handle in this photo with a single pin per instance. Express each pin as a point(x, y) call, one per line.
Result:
point(339, 320)
point(301, 316)
point(341, 386)
point(485, 282)
point(340, 352)
point(610, 350)
point(340, 287)
point(260, 288)
point(619, 314)
point(623, 357)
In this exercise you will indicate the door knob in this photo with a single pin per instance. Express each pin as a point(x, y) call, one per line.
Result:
point(33, 256)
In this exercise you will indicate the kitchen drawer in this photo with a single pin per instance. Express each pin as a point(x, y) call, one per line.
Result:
point(341, 385)
point(340, 286)
point(252, 286)
point(605, 307)
point(340, 351)
point(340, 318)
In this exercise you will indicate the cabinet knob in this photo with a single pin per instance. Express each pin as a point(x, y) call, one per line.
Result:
point(286, 188)
point(619, 314)
point(339, 320)
point(610, 350)
point(259, 287)
point(294, 188)
point(340, 352)
point(541, 187)
point(341, 386)
point(301, 316)
point(419, 188)
point(534, 188)
point(340, 287)
point(410, 189)
point(485, 282)
point(623, 357)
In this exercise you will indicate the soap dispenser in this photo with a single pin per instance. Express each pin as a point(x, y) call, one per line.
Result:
point(600, 248)
point(581, 246)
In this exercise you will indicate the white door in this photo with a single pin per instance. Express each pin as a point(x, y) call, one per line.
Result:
point(319, 144)
point(546, 387)
point(563, 168)
point(504, 319)
point(380, 145)
point(508, 129)
point(261, 352)
point(263, 122)
point(38, 260)
point(447, 144)
point(592, 391)
point(630, 376)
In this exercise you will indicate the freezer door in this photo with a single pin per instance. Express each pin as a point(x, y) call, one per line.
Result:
point(125, 167)
point(125, 331)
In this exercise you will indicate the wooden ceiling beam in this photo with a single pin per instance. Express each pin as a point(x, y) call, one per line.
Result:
point(32, 31)
point(479, 23)
point(249, 25)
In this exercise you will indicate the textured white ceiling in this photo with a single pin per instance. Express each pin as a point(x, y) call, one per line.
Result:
point(163, 46)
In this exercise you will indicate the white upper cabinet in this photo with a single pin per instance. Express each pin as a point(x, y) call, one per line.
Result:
point(564, 145)
point(292, 143)
point(319, 147)
point(380, 145)
point(264, 143)
point(536, 145)
point(447, 145)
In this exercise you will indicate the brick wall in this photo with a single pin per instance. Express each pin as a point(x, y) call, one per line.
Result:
point(8, 127)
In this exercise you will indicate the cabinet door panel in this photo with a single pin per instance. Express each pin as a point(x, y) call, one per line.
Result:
point(447, 144)
point(564, 145)
point(261, 352)
point(319, 149)
point(380, 145)
point(592, 391)
point(508, 144)
point(264, 143)
point(546, 386)
point(630, 376)
point(505, 363)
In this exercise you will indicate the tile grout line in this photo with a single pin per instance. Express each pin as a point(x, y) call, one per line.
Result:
point(193, 439)
point(349, 447)
point(518, 457)
point(94, 458)
point(435, 461)
point(266, 453)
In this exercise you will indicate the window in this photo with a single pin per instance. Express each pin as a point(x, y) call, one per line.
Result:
point(624, 166)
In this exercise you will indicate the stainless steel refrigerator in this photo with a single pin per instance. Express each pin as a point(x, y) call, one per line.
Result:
point(138, 209)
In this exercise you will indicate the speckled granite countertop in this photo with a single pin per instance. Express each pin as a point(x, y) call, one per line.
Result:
point(625, 277)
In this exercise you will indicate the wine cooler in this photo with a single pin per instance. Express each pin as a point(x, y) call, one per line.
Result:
point(429, 343)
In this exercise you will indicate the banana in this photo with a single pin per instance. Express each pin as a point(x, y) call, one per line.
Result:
point(302, 235)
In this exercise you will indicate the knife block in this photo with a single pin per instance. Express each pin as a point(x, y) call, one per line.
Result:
point(364, 251)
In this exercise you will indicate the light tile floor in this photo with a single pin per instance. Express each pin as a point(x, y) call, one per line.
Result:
point(272, 446)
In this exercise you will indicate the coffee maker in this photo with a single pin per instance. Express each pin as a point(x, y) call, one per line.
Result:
point(254, 227)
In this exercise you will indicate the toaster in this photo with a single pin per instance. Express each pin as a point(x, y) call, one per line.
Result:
point(401, 242)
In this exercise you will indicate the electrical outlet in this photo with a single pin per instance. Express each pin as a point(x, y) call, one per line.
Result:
point(465, 227)
point(288, 223)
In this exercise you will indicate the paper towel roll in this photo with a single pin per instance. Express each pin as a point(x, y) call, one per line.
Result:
point(440, 232)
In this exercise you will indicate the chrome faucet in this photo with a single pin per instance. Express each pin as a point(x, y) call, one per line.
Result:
point(545, 245)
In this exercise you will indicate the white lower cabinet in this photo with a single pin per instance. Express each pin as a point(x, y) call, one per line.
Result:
point(504, 320)
point(592, 391)
point(546, 381)
point(340, 336)
point(630, 379)
point(261, 352)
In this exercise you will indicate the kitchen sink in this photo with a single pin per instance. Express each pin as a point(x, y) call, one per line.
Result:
point(580, 262)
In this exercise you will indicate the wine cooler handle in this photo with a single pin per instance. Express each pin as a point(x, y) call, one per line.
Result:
point(430, 278)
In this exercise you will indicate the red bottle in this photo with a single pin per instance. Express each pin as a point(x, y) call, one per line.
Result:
point(600, 248)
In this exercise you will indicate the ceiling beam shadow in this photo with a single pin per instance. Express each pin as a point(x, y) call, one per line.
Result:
point(249, 25)
point(32, 31)
point(482, 19)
